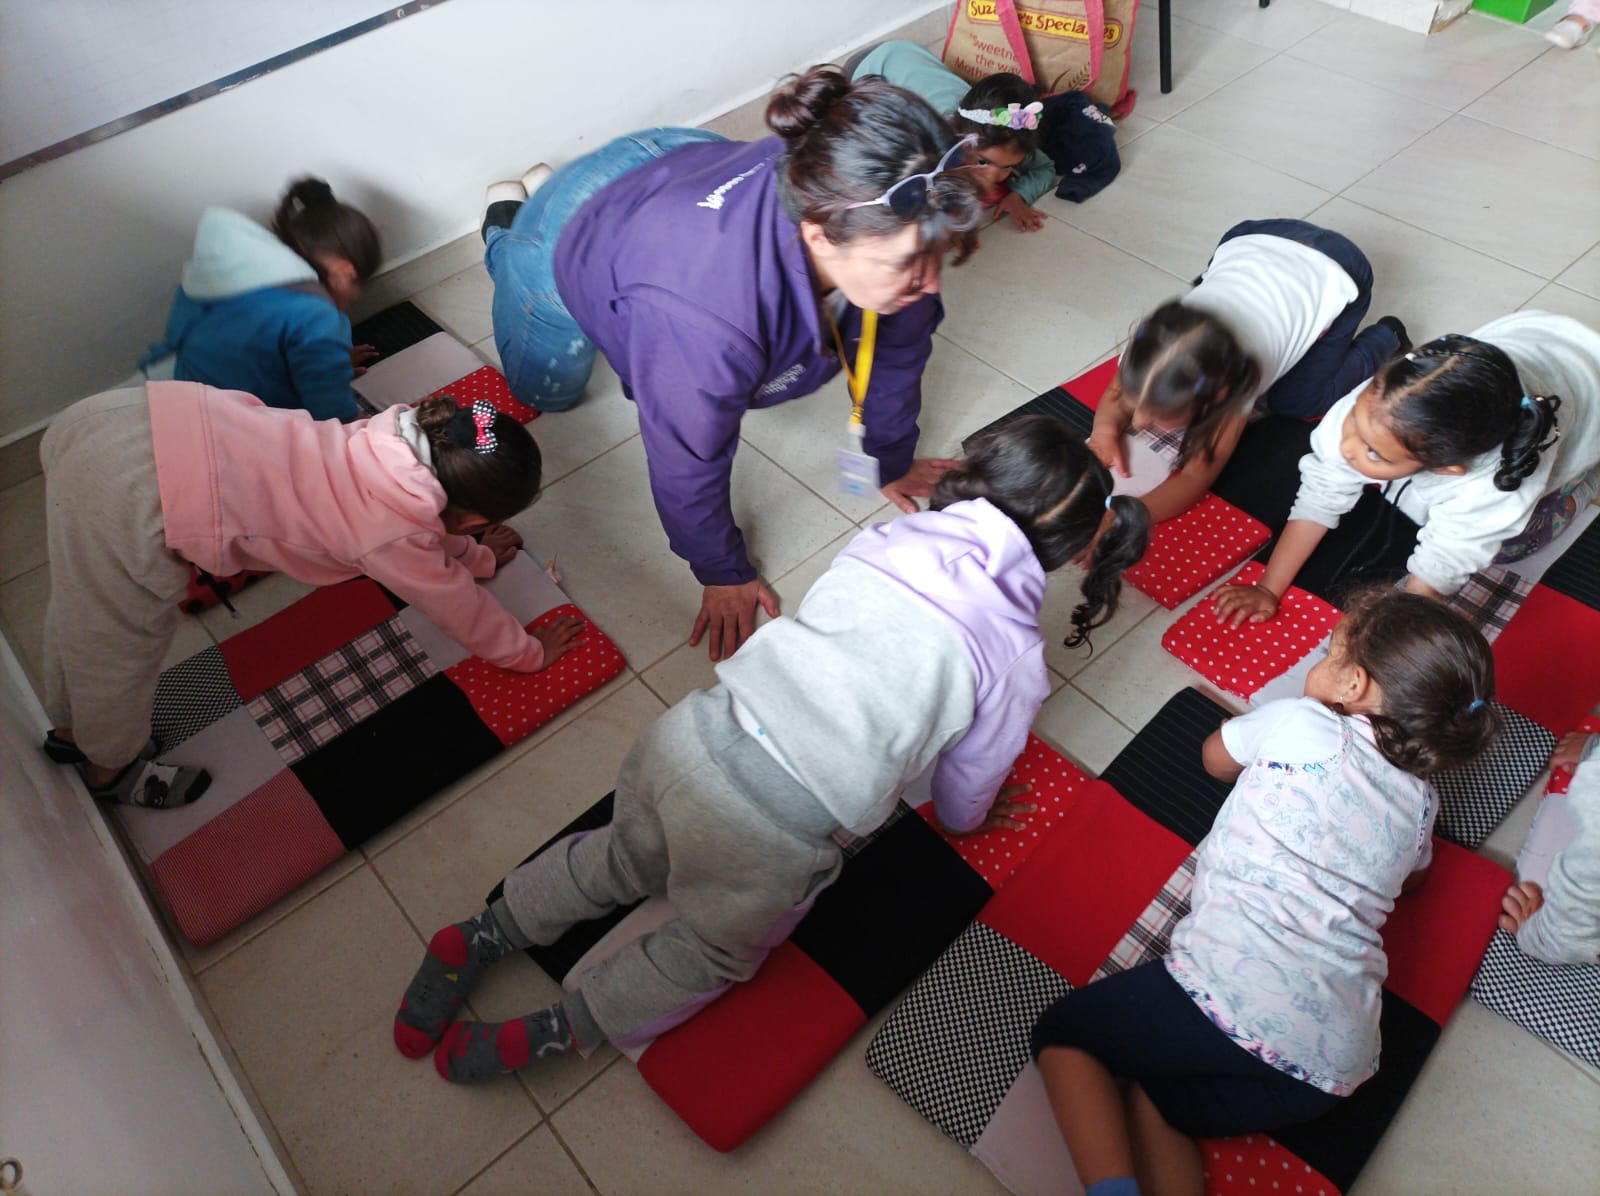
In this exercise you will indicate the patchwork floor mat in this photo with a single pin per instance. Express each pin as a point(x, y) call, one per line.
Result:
point(321, 727)
point(1559, 1003)
point(1102, 892)
point(901, 899)
point(1186, 554)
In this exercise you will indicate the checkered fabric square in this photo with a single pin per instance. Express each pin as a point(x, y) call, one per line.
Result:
point(957, 1042)
point(1490, 598)
point(1473, 800)
point(190, 696)
point(1148, 937)
point(1559, 1003)
point(323, 701)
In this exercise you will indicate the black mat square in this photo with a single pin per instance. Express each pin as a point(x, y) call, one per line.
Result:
point(387, 764)
point(394, 328)
point(897, 904)
point(556, 959)
point(1339, 1144)
point(1577, 573)
point(1372, 544)
point(1055, 402)
point(1160, 774)
point(1264, 472)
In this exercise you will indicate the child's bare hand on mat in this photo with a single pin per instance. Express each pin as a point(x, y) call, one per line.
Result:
point(1111, 448)
point(559, 637)
point(362, 356)
point(503, 541)
point(1521, 902)
point(1570, 750)
point(1007, 812)
point(1023, 214)
point(1238, 605)
point(918, 482)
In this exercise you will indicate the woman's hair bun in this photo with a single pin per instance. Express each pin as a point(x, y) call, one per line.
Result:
point(310, 193)
point(802, 101)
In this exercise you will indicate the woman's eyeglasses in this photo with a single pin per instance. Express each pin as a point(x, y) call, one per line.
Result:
point(907, 197)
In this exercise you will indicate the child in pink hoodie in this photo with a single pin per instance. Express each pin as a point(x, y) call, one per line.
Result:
point(918, 649)
point(141, 484)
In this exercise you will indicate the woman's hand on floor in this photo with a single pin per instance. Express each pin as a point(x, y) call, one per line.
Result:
point(918, 482)
point(728, 616)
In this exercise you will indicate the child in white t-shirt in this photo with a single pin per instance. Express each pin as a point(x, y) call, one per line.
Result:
point(1556, 913)
point(1265, 1010)
point(1274, 324)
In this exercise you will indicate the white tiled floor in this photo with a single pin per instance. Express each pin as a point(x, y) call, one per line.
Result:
point(1466, 164)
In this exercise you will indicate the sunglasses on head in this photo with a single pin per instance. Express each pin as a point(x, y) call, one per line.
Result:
point(908, 197)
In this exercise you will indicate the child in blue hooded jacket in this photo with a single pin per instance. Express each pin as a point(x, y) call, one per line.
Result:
point(263, 311)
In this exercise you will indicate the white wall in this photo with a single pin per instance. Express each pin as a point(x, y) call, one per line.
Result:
point(111, 1080)
point(409, 123)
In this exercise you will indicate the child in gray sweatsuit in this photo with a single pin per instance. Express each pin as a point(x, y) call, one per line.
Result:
point(920, 647)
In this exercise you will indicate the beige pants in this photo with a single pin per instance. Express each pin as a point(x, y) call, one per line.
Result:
point(114, 583)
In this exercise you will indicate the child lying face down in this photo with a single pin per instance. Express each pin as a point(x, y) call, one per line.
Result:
point(919, 648)
point(1558, 921)
point(1265, 1011)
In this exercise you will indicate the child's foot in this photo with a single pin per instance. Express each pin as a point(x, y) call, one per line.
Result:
point(456, 956)
point(475, 1051)
point(65, 751)
point(500, 204)
point(1393, 324)
point(1569, 32)
point(146, 783)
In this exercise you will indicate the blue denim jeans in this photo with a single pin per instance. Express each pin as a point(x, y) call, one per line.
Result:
point(1341, 357)
point(546, 357)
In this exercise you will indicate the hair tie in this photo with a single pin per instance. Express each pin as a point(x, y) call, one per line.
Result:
point(1527, 403)
point(479, 418)
point(1011, 116)
point(1109, 497)
point(1475, 705)
point(1199, 383)
point(1411, 356)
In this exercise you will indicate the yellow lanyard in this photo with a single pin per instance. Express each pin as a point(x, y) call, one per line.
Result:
point(862, 374)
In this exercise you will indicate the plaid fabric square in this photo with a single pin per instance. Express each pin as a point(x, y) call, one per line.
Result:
point(1473, 800)
point(957, 1042)
point(1165, 444)
point(190, 696)
point(322, 702)
point(1148, 937)
point(1559, 1003)
point(1490, 598)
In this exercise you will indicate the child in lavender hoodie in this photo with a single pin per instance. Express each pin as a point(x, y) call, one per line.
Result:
point(919, 647)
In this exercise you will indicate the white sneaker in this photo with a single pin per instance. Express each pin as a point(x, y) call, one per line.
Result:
point(509, 191)
point(1569, 33)
point(535, 178)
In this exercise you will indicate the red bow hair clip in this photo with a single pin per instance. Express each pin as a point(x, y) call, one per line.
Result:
point(483, 414)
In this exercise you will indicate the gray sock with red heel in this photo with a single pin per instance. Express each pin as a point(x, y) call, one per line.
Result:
point(457, 955)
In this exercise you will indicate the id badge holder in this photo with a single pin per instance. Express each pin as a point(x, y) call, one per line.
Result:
point(858, 472)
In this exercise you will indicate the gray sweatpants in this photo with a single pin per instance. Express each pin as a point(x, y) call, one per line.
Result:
point(114, 583)
point(705, 817)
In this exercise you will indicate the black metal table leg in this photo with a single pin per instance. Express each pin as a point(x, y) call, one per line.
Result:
point(1164, 29)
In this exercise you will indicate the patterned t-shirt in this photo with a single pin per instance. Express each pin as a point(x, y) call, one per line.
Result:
point(1281, 948)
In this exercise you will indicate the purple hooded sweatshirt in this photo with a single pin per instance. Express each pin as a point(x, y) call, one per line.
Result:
point(689, 277)
point(921, 641)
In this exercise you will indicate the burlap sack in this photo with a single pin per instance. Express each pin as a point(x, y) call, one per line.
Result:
point(1058, 45)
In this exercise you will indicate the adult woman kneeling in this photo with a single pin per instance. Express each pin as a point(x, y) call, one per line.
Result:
point(718, 276)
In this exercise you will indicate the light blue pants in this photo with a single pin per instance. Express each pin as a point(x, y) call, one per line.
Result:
point(546, 357)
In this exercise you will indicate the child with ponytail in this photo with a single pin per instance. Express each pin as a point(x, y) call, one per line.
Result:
point(1491, 442)
point(1272, 326)
point(263, 311)
point(919, 647)
point(143, 484)
point(1265, 1010)
point(1001, 110)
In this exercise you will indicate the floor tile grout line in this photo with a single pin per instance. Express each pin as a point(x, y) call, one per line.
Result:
point(562, 1142)
point(1529, 65)
point(479, 1173)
